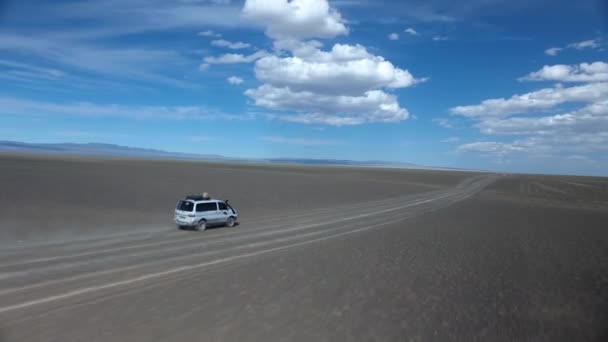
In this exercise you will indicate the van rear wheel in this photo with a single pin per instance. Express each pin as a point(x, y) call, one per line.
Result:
point(201, 226)
point(230, 222)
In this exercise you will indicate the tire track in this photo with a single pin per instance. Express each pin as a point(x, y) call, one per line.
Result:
point(259, 242)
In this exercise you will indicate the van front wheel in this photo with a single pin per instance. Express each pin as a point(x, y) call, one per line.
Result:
point(230, 222)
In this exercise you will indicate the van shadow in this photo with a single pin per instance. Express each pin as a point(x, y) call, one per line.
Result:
point(193, 230)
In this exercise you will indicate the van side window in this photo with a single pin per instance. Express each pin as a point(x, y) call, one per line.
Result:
point(222, 206)
point(202, 207)
point(185, 206)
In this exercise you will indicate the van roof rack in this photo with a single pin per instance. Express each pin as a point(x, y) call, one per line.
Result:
point(202, 197)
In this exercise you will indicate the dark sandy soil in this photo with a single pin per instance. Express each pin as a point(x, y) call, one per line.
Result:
point(423, 256)
point(51, 198)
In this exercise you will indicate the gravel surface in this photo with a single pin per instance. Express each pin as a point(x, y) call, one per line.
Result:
point(439, 257)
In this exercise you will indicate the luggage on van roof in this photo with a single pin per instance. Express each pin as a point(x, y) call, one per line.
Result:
point(202, 197)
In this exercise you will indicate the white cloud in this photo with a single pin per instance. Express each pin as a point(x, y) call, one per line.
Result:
point(580, 158)
point(309, 50)
point(296, 19)
point(342, 86)
point(546, 154)
point(276, 139)
point(234, 80)
point(116, 18)
point(232, 58)
point(553, 51)
point(17, 106)
point(584, 72)
point(37, 31)
point(411, 31)
point(440, 38)
point(338, 87)
point(209, 33)
point(134, 64)
point(548, 145)
point(490, 147)
point(393, 36)
point(346, 69)
point(230, 45)
point(42, 72)
point(592, 118)
point(337, 110)
point(538, 100)
point(555, 122)
point(586, 44)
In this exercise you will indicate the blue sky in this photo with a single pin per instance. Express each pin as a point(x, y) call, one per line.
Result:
point(488, 84)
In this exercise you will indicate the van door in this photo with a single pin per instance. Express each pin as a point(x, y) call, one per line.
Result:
point(213, 213)
point(224, 212)
point(207, 211)
point(200, 212)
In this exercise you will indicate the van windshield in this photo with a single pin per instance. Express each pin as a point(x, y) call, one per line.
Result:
point(185, 206)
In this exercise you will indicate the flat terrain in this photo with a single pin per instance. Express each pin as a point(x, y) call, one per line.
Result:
point(52, 198)
point(322, 254)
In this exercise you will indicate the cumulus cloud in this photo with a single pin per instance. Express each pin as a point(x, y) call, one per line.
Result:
point(538, 100)
point(557, 121)
point(296, 19)
point(344, 85)
point(338, 110)
point(393, 36)
point(592, 118)
point(346, 69)
point(337, 87)
point(584, 72)
point(234, 80)
point(229, 44)
point(411, 31)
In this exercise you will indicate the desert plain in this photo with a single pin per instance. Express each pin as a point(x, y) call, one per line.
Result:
point(88, 252)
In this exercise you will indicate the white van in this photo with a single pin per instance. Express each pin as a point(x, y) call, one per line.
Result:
point(200, 212)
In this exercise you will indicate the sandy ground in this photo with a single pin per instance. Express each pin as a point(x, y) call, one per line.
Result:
point(423, 256)
point(50, 199)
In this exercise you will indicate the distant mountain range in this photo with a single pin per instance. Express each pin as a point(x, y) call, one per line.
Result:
point(111, 150)
point(338, 162)
point(98, 149)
